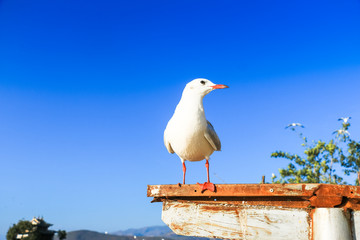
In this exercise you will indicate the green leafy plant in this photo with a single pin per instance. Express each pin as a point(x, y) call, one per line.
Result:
point(351, 161)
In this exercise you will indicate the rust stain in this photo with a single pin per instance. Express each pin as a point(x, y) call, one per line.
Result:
point(267, 219)
point(176, 227)
point(262, 229)
point(324, 201)
point(225, 231)
point(215, 208)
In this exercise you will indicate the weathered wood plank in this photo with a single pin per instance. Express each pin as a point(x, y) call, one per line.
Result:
point(314, 195)
point(229, 221)
point(256, 190)
point(233, 190)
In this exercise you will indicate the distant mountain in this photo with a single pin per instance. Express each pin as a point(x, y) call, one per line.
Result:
point(92, 235)
point(145, 231)
point(155, 231)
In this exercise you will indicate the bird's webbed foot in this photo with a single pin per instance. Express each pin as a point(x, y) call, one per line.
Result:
point(207, 186)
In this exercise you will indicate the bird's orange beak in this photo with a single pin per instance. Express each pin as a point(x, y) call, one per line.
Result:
point(219, 86)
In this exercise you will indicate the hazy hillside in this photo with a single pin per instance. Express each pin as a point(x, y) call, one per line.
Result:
point(91, 235)
point(146, 233)
point(155, 231)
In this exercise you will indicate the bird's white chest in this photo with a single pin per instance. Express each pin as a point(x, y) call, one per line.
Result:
point(186, 136)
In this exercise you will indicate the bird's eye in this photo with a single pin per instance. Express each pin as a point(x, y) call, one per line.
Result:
point(202, 82)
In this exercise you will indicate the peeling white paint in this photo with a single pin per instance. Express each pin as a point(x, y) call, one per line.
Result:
point(155, 191)
point(237, 222)
point(311, 186)
point(294, 187)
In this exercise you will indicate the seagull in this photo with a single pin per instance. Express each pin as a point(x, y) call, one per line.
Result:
point(344, 119)
point(341, 132)
point(188, 133)
point(292, 125)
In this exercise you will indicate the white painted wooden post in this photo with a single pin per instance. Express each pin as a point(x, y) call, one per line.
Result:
point(355, 217)
point(331, 224)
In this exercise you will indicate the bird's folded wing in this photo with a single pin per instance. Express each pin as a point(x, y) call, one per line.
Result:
point(212, 137)
point(167, 145)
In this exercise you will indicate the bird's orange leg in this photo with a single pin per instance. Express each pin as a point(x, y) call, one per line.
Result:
point(207, 170)
point(184, 171)
point(207, 185)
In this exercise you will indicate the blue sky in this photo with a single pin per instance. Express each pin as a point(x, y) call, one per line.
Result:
point(87, 87)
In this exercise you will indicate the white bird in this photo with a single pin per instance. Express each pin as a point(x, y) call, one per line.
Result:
point(188, 133)
point(341, 132)
point(293, 125)
point(344, 119)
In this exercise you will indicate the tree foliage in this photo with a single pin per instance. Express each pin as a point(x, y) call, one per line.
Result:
point(352, 163)
point(20, 228)
point(36, 229)
point(318, 161)
point(61, 234)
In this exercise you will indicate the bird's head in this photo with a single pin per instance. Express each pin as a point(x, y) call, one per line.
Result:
point(202, 86)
